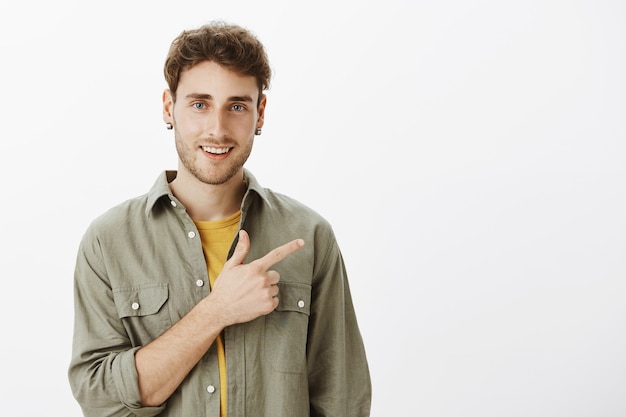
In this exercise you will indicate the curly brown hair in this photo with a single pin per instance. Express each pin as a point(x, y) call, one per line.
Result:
point(231, 46)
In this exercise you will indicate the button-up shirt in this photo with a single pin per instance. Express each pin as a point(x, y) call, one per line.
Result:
point(140, 268)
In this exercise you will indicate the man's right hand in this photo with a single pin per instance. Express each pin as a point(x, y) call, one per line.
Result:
point(244, 292)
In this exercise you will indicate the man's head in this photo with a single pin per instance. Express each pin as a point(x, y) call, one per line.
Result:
point(230, 46)
point(215, 101)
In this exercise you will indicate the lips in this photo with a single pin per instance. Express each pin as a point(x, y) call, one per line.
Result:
point(215, 151)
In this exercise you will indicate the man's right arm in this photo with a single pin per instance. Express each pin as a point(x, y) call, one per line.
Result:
point(105, 366)
point(102, 371)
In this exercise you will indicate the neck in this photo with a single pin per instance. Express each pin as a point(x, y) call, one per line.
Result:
point(207, 202)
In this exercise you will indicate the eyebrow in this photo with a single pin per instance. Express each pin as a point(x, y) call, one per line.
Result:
point(202, 96)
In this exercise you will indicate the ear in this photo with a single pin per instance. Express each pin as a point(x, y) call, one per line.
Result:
point(261, 112)
point(168, 107)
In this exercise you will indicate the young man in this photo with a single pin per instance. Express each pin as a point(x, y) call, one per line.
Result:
point(201, 298)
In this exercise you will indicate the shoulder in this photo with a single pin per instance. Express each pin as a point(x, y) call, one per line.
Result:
point(118, 218)
point(289, 216)
point(294, 211)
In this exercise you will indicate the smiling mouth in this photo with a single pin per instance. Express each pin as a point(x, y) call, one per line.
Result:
point(215, 151)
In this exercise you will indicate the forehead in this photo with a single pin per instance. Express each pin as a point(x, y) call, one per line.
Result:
point(210, 78)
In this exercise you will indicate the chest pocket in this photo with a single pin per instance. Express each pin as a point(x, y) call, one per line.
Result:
point(143, 310)
point(286, 328)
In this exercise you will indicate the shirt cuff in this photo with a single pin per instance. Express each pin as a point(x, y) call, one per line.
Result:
point(127, 384)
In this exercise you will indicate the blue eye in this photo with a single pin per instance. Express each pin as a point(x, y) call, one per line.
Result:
point(238, 107)
point(198, 106)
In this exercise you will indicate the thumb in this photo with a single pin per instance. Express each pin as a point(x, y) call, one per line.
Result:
point(241, 250)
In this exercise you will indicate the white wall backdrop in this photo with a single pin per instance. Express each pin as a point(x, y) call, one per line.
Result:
point(470, 155)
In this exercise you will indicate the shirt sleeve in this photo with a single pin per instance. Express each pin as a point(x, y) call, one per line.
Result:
point(102, 372)
point(339, 379)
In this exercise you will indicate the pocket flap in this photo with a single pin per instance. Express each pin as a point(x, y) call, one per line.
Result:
point(294, 296)
point(142, 300)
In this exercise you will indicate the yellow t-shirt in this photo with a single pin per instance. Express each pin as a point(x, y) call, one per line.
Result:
point(217, 236)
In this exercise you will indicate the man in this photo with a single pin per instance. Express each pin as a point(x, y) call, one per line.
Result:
point(201, 298)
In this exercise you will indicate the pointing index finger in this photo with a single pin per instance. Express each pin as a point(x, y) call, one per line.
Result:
point(278, 254)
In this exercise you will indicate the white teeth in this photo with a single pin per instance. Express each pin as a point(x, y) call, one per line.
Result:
point(215, 150)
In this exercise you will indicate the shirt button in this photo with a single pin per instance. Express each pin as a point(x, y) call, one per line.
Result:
point(191, 234)
point(300, 303)
point(210, 389)
point(135, 306)
point(173, 203)
point(199, 283)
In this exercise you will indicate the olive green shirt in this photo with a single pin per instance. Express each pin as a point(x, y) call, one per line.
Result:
point(140, 268)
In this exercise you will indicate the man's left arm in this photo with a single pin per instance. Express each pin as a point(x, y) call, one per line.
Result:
point(339, 379)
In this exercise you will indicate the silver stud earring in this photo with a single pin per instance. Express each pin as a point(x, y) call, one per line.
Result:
point(258, 131)
point(169, 126)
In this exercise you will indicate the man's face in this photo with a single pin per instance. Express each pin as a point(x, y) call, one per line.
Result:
point(215, 117)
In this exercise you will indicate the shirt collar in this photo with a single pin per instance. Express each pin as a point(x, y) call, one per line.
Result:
point(161, 188)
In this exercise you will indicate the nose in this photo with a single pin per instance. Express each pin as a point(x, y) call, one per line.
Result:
point(216, 124)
